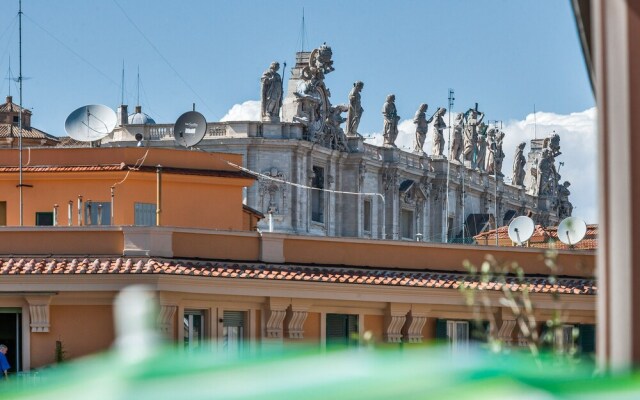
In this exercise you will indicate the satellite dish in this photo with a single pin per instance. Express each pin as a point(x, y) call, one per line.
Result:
point(521, 229)
point(90, 123)
point(572, 230)
point(189, 129)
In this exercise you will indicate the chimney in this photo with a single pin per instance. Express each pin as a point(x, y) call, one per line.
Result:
point(123, 115)
point(9, 99)
point(138, 109)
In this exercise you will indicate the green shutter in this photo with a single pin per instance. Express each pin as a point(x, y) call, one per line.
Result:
point(441, 329)
point(340, 328)
point(587, 338)
point(233, 318)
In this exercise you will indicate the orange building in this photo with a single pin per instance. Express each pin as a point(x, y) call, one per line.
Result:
point(124, 186)
point(221, 285)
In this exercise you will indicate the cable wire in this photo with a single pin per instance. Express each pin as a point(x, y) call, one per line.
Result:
point(162, 56)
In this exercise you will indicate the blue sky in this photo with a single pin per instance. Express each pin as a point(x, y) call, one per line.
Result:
point(507, 55)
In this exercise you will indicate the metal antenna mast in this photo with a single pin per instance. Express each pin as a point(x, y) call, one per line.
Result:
point(302, 32)
point(122, 85)
point(446, 206)
point(535, 125)
point(20, 184)
point(138, 93)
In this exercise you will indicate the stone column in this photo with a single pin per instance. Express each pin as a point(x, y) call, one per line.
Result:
point(616, 29)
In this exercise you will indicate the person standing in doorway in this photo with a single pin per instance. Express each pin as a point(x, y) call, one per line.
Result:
point(4, 364)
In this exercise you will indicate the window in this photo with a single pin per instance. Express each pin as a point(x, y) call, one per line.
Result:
point(317, 196)
point(16, 119)
point(44, 219)
point(563, 338)
point(367, 216)
point(145, 214)
point(454, 332)
point(97, 213)
point(406, 224)
point(3, 213)
point(342, 329)
point(193, 324)
point(458, 334)
point(233, 330)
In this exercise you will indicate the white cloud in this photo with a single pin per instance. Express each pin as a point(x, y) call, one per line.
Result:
point(577, 141)
point(247, 111)
point(578, 146)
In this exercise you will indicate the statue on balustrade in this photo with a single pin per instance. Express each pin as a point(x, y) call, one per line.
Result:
point(438, 132)
point(355, 109)
point(519, 161)
point(391, 118)
point(456, 139)
point(271, 93)
point(422, 126)
point(472, 120)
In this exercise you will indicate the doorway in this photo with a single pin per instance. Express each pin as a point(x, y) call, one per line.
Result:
point(11, 336)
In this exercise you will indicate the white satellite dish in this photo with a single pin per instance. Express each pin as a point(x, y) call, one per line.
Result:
point(190, 128)
point(90, 123)
point(521, 229)
point(571, 230)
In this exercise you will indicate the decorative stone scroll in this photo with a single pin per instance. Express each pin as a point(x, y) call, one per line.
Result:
point(165, 319)
point(277, 312)
point(39, 313)
point(415, 324)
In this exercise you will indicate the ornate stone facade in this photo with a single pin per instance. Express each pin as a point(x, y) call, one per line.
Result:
point(345, 187)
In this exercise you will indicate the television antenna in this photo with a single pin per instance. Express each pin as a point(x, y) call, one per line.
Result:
point(571, 231)
point(189, 129)
point(90, 123)
point(520, 229)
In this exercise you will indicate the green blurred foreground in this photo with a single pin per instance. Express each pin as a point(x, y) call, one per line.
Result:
point(363, 373)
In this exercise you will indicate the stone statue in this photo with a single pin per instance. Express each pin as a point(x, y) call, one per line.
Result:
point(519, 161)
point(546, 177)
point(565, 208)
point(481, 151)
point(422, 125)
point(334, 135)
point(496, 155)
point(438, 128)
point(472, 118)
point(271, 93)
point(355, 109)
point(391, 118)
point(456, 140)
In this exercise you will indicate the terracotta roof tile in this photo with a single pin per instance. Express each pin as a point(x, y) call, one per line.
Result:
point(353, 276)
point(544, 237)
point(10, 130)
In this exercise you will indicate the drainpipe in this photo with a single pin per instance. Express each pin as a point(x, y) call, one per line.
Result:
point(55, 215)
point(113, 202)
point(158, 193)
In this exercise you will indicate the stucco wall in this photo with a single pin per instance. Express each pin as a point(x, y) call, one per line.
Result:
point(82, 330)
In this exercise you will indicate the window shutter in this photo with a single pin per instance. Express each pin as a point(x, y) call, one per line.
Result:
point(587, 338)
point(441, 329)
point(233, 318)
